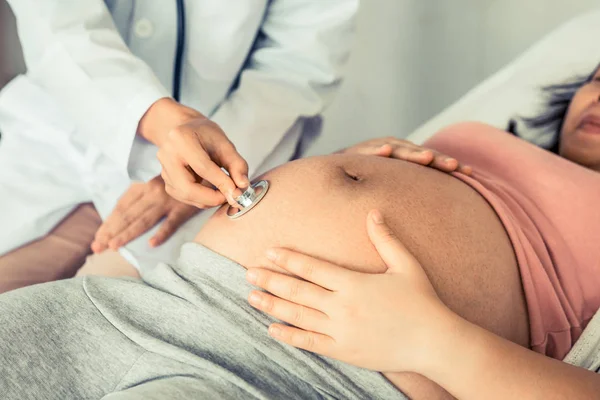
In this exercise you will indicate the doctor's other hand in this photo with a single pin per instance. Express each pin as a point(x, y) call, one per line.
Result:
point(408, 151)
point(141, 208)
point(193, 149)
point(386, 322)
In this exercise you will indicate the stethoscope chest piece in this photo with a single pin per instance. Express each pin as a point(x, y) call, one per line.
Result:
point(250, 198)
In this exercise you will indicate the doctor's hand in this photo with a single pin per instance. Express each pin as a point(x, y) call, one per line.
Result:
point(385, 322)
point(193, 149)
point(408, 151)
point(141, 208)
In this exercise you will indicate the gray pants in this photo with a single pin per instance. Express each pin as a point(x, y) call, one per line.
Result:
point(186, 332)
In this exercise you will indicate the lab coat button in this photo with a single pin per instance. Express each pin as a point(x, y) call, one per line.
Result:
point(143, 28)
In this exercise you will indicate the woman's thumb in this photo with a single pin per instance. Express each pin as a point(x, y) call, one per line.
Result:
point(390, 249)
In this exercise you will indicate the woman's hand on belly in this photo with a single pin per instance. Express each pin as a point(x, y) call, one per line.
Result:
point(408, 151)
point(394, 322)
point(384, 322)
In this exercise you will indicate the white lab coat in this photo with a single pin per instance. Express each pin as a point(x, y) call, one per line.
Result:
point(261, 69)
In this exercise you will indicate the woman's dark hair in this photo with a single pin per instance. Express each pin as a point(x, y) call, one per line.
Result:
point(558, 98)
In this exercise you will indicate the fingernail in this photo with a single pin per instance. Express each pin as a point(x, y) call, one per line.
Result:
point(237, 192)
point(254, 299)
point(377, 217)
point(251, 276)
point(230, 198)
point(152, 242)
point(245, 181)
point(272, 255)
point(448, 160)
point(274, 331)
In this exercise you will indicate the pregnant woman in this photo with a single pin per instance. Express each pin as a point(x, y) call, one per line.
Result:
point(512, 249)
point(499, 369)
point(505, 251)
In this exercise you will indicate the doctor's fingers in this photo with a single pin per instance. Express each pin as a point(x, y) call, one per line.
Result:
point(182, 185)
point(131, 196)
point(295, 314)
point(143, 223)
point(224, 153)
point(204, 167)
point(174, 219)
point(202, 155)
point(221, 153)
point(237, 167)
point(122, 216)
point(196, 196)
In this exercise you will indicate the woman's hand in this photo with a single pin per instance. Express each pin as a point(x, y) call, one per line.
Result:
point(142, 207)
point(407, 151)
point(384, 322)
point(193, 149)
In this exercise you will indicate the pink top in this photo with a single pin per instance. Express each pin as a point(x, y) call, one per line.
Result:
point(550, 208)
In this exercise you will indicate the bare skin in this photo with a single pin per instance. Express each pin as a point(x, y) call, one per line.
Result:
point(580, 143)
point(146, 204)
point(494, 361)
point(318, 206)
point(395, 322)
point(191, 148)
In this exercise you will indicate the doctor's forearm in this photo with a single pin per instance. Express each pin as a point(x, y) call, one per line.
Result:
point(163, 116)
point(474, 363)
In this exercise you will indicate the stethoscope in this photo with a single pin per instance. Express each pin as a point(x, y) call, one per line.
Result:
point(255, 192)
point(178, 65)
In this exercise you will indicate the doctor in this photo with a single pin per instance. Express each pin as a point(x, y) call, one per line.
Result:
point(110, 84)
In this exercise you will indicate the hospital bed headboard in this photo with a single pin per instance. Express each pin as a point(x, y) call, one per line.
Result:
point(568, 51)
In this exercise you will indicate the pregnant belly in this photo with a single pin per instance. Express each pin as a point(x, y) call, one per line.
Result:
point(315, 208)
point(318, 206)
point(470, 260)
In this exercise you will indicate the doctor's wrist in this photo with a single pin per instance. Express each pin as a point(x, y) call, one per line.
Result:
point(164, 115)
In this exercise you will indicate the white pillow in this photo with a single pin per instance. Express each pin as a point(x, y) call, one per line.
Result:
point(572, 49)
